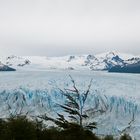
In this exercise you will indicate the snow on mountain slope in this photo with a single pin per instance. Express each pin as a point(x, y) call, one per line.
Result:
point(15, 61)
point(110, 59)
point(71, 62)
point(123, 56)
point(57, 62)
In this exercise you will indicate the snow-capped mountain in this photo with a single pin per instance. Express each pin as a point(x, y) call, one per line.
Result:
point(16, 61)
point(103, 61)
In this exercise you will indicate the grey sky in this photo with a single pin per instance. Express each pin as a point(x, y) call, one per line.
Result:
point(61, 27)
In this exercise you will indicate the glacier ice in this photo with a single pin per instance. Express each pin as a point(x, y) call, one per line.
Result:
point(35, 93)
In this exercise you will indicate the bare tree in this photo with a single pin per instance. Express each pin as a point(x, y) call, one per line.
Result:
point(129, 126)
point(74, 107)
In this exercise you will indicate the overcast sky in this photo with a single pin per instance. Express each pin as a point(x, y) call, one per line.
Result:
point(61, 27)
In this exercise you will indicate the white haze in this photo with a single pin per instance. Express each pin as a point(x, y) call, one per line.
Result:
point(61, 27)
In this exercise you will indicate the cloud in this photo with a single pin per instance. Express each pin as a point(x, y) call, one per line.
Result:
point(59, 27)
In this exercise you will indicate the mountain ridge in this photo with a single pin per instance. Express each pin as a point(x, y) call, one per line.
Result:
point(103, 61)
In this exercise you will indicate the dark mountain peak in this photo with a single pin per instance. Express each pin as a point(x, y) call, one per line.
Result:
point(130, 68)
point(6, 68)
point(71, 58)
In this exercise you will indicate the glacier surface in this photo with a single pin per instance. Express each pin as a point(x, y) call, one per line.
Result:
point(37, 92)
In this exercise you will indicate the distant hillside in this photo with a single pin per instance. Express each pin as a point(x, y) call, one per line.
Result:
point(132, 68)
point(6, 68)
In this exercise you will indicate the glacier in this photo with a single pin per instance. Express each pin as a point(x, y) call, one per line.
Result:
point(36, 93)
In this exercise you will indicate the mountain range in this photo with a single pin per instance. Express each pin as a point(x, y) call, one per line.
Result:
point(105, 61)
